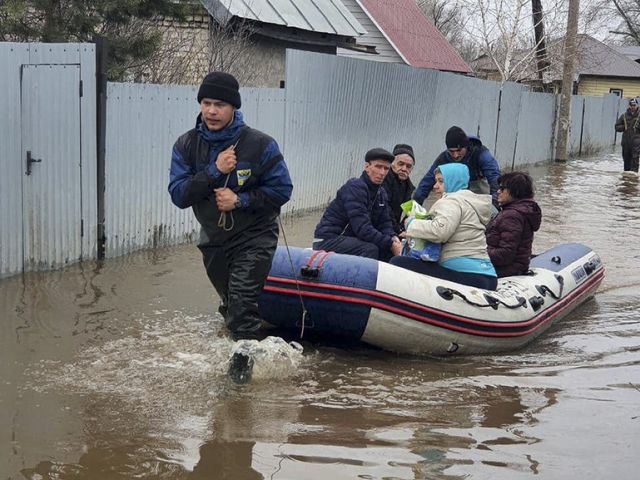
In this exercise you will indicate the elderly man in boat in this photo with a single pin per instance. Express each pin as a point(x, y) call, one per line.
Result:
point(357, 221)
point(398, 185)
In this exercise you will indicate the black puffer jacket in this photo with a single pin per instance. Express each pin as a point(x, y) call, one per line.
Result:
point(510, 236)
point(359, 210)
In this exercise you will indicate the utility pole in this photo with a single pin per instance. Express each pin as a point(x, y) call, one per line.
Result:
point(564, 115)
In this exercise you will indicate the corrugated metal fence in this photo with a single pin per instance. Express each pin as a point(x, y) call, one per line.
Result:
point(47, 205)
point(332, 110)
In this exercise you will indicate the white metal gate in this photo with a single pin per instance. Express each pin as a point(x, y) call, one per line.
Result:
point(51, 156)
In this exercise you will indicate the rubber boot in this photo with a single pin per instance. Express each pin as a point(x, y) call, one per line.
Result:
point(240, 368)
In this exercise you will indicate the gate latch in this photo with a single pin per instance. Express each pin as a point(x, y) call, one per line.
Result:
point(31, 160)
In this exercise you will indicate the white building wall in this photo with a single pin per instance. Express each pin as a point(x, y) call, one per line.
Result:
point(373, 37)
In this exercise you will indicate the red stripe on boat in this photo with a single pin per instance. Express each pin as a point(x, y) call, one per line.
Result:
point(558, 307)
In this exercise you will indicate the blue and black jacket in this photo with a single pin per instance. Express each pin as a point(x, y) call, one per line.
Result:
point(261, 178)
point(478, 159)
point(359, 210)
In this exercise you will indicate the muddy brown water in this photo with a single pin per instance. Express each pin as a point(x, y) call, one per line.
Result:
point(116, 371)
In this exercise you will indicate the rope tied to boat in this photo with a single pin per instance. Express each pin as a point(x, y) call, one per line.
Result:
point(295, 277)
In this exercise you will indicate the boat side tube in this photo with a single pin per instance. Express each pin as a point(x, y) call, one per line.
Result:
point(330, 287)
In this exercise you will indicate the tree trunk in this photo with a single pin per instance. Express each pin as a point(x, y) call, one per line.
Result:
point(564, 115)
point(542, 60)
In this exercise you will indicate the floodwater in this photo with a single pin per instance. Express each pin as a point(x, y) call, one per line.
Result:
point(117, 371)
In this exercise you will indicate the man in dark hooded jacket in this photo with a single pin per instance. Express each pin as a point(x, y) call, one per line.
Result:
point(510, 234)
point(483, 168)
point(357, 221)
point(398, 184)
point(235, 179)
point(628, 124)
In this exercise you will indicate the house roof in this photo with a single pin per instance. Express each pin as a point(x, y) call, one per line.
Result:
point(633, 52)
point(593, 58)
point(322, 16)
point(414, 37)
point(598, 59)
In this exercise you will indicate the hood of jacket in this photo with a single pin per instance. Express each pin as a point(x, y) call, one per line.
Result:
point(228, 133)
point(474, 141)
point(529, 209)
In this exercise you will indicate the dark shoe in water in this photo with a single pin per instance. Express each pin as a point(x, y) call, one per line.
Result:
point(240, 367)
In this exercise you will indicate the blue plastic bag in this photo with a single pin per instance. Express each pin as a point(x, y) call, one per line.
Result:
point(423, 249)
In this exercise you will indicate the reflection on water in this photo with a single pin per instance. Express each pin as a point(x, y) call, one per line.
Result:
point(117, 371)
point(628, 188)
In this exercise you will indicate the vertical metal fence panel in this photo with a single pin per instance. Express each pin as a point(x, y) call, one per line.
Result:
point(611, 111)
point(337, 108)
point(508, 128)
point(12, 55)
point(143, 122)
point(575, 125)
point(599, 129)
point(471, 105)
point(597, 125)
point(263, 108)
point(89, 150)
point(592, 134)
point(488, 95)
point(536, 116)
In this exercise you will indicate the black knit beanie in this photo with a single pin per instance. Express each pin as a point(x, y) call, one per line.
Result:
point(456, 138)
point(378, 154)
point(403, 148)
point(220, 86)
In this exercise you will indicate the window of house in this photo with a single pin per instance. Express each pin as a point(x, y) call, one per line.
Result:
point(616, 91)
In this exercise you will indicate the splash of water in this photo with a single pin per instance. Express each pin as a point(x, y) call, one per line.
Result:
point(270, 358)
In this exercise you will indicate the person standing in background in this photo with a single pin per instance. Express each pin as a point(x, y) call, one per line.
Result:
point(628, 125)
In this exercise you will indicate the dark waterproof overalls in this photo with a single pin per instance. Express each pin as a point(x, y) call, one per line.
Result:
point(629, 125)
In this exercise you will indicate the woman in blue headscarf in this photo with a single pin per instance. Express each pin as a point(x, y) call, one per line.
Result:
point(458, 221)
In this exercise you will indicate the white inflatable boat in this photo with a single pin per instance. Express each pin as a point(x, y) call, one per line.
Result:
point(333, 295)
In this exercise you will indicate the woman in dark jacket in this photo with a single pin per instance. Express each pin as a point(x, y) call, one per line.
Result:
point(510, 234)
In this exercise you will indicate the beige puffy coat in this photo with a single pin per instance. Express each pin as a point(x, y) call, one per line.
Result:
point(459, 223)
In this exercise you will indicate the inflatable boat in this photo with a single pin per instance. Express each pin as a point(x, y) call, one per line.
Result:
point(341, 296)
